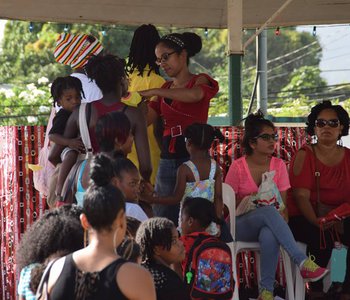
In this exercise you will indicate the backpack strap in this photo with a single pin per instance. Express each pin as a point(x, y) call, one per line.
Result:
point(194, 170)
point(42, 292)
point(198, 240)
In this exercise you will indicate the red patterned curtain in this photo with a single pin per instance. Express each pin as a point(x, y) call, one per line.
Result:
point(21, 204)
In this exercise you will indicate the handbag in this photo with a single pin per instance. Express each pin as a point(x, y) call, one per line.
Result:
point(325, 212)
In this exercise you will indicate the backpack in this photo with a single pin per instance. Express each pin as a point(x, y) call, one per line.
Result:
point(208, 271)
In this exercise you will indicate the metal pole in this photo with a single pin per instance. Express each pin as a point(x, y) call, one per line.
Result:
point(261, 52)
point(235, 52)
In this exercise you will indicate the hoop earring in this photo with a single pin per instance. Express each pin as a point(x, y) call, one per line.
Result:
point(86, 238)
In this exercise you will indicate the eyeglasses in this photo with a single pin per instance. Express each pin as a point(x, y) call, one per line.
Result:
point(320, 123)
point(164, 57)
point(267, 137)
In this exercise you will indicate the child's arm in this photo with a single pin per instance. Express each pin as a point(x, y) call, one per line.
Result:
point(218, 203)
point(75, 143)
point(178, 191)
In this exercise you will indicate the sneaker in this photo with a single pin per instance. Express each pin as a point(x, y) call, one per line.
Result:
point(265, 295)
point(310, 271)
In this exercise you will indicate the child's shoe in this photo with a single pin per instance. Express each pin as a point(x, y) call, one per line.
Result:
point(310, 271)
point(265, 295)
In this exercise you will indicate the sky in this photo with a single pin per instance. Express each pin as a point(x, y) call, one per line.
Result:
point(335, 42)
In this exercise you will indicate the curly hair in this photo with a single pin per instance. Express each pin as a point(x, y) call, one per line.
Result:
point(154, 232)
point(253, 126)
point(203, 135)
point(60, 84)
point(141, 54)
point(56, 230)
point(107, 71)
point(342, 114)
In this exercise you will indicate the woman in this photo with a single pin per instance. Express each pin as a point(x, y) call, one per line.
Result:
point(108, 73)
point(97, 271)
point(56, 233)
point(328, 123)
point(265, 224)
point(182, 101)
point(143, 74)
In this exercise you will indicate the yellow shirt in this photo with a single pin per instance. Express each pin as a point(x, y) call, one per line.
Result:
point(139, 83)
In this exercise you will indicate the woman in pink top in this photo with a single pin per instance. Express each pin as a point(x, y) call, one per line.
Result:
point(265, 224)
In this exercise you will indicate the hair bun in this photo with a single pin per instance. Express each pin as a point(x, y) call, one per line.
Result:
point(193, 43)
point(101, 170)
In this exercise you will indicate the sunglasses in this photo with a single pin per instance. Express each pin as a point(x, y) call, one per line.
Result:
point(320, 123)
point(267, 137)
point(164, 57)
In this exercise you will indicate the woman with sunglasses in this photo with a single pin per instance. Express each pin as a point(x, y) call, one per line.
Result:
point(327, 123)
point(265, 224)
point(180, 102)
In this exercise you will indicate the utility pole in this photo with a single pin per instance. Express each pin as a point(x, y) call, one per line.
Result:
point(261, 53)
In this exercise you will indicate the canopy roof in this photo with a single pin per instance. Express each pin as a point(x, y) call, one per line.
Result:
point(180, 13)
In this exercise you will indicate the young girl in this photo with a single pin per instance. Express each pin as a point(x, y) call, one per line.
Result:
point(180, 102)
point(161, 247)
point(57, 231)
point(97, 271)
point(128, 181)
point(200, 176)
point(265, 224)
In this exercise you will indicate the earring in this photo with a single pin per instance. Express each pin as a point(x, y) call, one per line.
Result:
point(314, 139)
point(86, 238)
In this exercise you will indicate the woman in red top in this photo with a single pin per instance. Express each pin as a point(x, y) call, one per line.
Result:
point(180, 102)
point(328, 123)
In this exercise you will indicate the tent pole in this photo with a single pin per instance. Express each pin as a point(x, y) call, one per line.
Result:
point(235, 52)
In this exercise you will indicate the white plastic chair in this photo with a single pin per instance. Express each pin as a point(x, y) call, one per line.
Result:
point(229, 200)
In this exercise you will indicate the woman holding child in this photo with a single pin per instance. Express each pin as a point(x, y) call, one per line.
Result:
point(265, 224)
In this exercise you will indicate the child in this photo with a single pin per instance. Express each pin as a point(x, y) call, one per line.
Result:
point(200, 176)
point(66, 93)
point(128, 181)
point(161, 247)
point(208, 264)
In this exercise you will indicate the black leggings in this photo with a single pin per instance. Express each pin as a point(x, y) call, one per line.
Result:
point(309, 234)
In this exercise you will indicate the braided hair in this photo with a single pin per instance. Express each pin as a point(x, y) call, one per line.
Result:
point(141, 54)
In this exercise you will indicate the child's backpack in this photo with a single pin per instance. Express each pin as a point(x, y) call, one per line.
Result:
point(208, 271)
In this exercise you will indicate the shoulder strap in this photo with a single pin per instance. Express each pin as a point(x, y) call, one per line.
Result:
point(84, 129)
point(317, 174)
point(42, 292)
point(49, 126)
point(212, 169)
point(196, 243)
point(194, 169)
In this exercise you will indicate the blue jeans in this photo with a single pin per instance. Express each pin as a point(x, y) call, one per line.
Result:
point(165, 184)
point(266, 226)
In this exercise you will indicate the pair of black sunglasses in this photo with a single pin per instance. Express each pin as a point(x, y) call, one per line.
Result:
point(320, 123)
point(266, 137)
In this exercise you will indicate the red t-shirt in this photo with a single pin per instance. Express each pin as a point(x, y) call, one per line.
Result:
point(334, 181)
point(178, 115)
